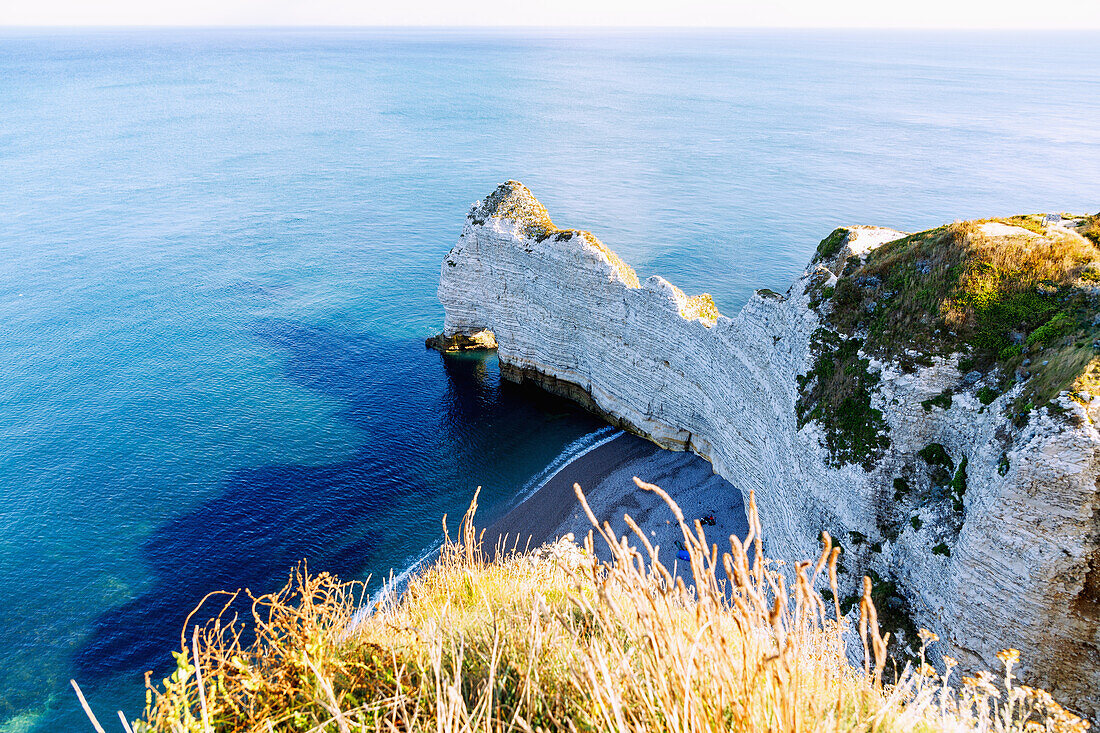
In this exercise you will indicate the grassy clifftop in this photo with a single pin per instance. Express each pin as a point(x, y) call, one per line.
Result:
point(1018, 299)
point(557, 641)
point(995, 289)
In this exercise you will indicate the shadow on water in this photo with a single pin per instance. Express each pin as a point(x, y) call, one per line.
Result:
point(426, 422)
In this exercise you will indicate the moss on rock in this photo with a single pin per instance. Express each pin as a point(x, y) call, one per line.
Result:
point(483, 340)
point(836, 392)
point(701, 307)
point(513, 201)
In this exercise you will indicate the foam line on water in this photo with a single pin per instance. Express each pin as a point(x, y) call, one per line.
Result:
point(579, 447)
point(392, 588)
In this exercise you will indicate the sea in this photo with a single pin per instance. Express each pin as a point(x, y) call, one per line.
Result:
point(219, 251)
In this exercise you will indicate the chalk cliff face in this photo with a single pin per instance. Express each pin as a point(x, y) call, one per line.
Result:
point(1012, 560)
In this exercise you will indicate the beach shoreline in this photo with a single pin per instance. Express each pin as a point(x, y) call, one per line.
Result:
point(605, 474)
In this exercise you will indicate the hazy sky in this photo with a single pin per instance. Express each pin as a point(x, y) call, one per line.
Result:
point(782, 13)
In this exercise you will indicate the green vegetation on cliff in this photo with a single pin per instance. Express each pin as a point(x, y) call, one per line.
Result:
point(1015, 297)
point(1091, 230)
point(836, 392)
point(830, 246)
point(1002, 299)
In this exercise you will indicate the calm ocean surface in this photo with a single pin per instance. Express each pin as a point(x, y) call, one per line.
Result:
point(219, 253)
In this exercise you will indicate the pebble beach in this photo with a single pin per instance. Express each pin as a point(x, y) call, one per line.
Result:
point(606, 476)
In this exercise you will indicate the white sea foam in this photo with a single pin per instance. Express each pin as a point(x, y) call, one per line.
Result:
point(391, 589)
point(579, 447)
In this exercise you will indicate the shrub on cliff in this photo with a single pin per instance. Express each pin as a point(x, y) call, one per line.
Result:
point(830, 246)
point(836, 392)
point(558, 641)
point(1091, 229)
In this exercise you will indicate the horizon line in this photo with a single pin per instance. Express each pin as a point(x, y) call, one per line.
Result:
point(540, 27)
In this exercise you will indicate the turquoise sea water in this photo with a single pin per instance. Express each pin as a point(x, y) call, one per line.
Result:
point(219, 253)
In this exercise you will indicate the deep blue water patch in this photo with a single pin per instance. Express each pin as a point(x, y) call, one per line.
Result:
point(370, 512)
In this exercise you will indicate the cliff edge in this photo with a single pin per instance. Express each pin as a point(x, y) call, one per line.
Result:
point(925, 398)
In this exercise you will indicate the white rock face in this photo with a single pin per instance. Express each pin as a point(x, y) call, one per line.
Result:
point(1024, 566)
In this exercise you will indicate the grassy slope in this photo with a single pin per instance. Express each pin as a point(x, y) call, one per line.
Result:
point(558, 642)
point(1016, 305)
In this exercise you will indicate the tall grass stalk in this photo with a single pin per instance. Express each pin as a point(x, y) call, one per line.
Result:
point(557, 640)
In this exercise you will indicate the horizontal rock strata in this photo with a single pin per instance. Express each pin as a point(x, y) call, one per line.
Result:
point(1021, 568)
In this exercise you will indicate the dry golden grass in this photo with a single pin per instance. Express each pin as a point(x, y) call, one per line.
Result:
point(1056, 255)
point(559, 641)
point(702, 307)
point(1091, 229)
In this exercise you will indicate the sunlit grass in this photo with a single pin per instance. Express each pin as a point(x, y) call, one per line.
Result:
point(558, 641)
point(1021, 304)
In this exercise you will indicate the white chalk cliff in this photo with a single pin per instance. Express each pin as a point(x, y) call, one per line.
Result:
point(1018, 565)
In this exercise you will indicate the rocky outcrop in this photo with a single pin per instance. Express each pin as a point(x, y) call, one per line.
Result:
point(478, 341)
point(982, 529)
